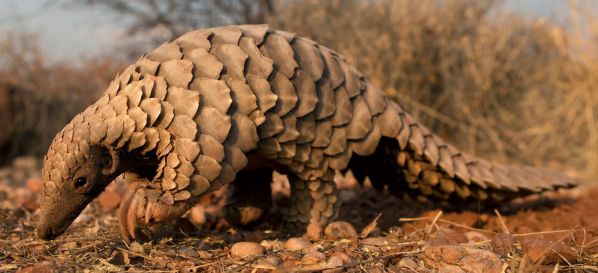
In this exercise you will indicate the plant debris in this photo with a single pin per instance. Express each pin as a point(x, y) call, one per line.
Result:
point(377, 233)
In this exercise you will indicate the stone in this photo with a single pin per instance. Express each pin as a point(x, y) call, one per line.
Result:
point(458, 238)
point(295, 244)
point(246, 249)
point(408, 263)
point(271, 261)
point(375, 244)
point(30, 204)
point(396, 231)
point(35, 185)
point(545, 251)
point(344, 257)
point(436, 241)
point(315, 255)
point(334, 265)
point(451, 269)
point(187, 251)
point(503, 244)
point(469, 259)
point(476, 236)
point(310, 248)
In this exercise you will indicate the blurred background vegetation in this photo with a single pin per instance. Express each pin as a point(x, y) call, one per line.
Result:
point(507, 87)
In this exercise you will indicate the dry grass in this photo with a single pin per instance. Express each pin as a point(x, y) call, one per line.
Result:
point(495, 84)
point(38, 98)
point(93, 243)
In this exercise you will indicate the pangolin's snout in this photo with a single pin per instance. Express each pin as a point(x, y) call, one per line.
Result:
point(46, 233)
point(52, 224)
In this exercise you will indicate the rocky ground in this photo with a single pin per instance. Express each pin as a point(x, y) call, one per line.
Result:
point(375, 232)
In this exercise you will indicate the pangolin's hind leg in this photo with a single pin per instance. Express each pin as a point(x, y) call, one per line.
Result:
point(249, 199)
point(312, 201)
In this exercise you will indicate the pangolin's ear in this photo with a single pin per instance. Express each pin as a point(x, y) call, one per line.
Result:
point(107, 161)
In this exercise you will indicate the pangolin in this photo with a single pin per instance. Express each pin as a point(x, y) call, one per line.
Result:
point(235, 103)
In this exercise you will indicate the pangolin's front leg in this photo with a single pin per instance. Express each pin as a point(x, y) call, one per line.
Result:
point(142, 204)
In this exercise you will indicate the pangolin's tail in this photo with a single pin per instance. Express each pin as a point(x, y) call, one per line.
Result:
point(411, 159)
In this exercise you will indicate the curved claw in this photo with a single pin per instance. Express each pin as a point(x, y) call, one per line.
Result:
point(141, 203)
point(123, 210)
point(132, 213)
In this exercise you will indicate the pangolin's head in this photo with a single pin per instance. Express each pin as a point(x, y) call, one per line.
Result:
point(74, 173)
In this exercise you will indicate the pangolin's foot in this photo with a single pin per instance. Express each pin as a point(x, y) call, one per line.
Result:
point(141, 205)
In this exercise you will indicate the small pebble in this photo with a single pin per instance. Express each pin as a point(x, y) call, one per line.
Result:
point(458, 238)
point(476, 236)
point(436, 241)
point(470, 258)
point(315, 254)
point(344, 257)
point(295, 244)
point(396, 231)
point(187, 251)
point(451, 269)
point(310, 248)
point(246, 249)
point(273, 261)
point(34, 184)
point(375, 244)
point(408, 262)
point(30, 204)
point(503, 244)
point(334, 262)
point(543, 251)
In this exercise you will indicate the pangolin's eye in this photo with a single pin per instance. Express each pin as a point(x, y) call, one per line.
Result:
point(81, 182)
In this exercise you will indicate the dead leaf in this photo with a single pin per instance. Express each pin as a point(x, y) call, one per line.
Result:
point(369, 228)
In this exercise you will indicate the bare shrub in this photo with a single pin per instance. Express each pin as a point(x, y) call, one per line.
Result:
point(37, 99)
point(497, 85)
point(501, 86)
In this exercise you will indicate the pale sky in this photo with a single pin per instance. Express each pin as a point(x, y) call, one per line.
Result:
point(69, 31)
